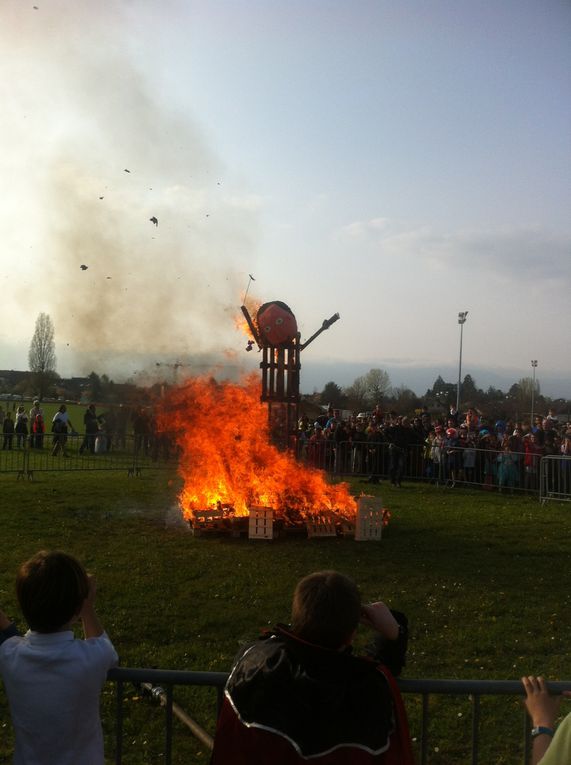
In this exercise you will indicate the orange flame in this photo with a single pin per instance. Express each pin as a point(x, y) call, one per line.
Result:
point(240, 322)
point(226, 457)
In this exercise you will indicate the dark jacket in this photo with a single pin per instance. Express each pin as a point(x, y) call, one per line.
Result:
point(287, 700)
point(399, 437)
point(91, 421)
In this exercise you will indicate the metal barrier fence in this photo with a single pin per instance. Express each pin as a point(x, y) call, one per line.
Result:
point(161, 683)
point(76, 452)
point(549, 477)
point(488, 469)
point(555, 478)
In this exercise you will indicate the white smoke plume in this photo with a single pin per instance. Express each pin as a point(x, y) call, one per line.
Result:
point(92, 154)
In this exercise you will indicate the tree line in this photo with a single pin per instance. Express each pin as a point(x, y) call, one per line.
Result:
point(365, 392)
point(374, 388)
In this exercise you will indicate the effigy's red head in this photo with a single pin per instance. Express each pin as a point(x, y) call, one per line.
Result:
point(277, 325)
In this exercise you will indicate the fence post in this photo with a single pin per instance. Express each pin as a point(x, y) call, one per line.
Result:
point(119, 724)
point(526, 738)
point(475, 727)
point(168, 735)
point(424, 730)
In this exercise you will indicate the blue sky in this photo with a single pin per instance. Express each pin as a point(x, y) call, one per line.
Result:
point(394, 162)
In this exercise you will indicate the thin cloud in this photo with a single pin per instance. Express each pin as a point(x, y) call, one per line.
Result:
point(364, 229)
point(249, 202)
point(528, 253)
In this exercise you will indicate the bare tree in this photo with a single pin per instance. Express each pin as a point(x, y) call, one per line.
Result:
point(357, 394)
point(369, 389)
point(378, 385)
point(525, 387)
point(405, 400)
point(42, 356)
point(527, 392)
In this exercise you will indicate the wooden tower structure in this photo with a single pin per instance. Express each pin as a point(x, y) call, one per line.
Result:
point(275, 333)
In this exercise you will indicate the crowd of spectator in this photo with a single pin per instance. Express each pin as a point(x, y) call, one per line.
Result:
point(100, 434)
point(456, 448)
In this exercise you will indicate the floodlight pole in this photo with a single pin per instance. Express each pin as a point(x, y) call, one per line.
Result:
point(461, 321)
point(534, 367)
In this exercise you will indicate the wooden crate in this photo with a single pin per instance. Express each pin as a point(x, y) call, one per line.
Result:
point(207, 522)
point(369, 521)
point(347, 528)
point(321, 525)
point(261, 523)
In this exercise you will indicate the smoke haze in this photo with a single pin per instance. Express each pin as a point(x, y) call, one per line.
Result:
point(352, 159)
point(98, 156)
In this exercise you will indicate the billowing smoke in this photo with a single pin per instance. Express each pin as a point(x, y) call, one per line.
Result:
point(144, 244)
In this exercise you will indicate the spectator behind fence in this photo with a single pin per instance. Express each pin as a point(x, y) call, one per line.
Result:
point(298, 694)
point(60, 424)
point(35, 425)
point(8, 431)
point(549, 747)
point(53, 682)
point(38, 431)
point(399, 437)
point(21, 427)
point(91, 427)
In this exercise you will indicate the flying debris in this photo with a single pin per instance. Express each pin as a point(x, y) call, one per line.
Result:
point(127, 171)
point(83, 267)
point(100, 197)
point(154, 220)
point(246, 294)
point(108, 277)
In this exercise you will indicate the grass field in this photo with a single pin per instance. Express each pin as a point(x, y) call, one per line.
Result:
point(481, 576)
point(75, 411)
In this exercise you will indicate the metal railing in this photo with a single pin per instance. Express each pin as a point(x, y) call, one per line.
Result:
point(555, 478)
point(548, 477)
point(488, 469)
point(77, 452)
point(161, 684)
point(474, 690)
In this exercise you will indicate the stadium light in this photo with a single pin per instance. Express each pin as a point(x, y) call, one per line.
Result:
point(461, 321)
point(534, 367)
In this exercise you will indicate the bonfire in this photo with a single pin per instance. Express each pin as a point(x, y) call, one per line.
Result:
point(228, 463)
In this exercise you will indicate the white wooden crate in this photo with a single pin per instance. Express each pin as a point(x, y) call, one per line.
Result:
point(261, 523)
point(369, 521)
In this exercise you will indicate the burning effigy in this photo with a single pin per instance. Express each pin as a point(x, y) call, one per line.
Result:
point(234, 446)
point(228, 463)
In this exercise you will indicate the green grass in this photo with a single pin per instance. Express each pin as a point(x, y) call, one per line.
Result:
point(49, 408)
point(480, 576)
point(75, 411)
